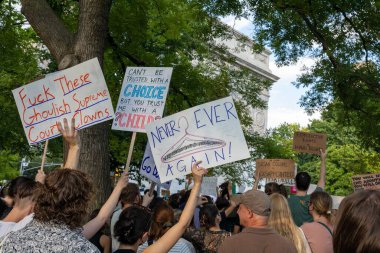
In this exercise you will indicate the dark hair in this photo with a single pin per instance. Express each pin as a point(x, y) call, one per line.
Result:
point(222, 203)
point(207, 215)
point(358, 223)
point(174, 200)
point(163, 220)
point(64, 198)
point(303, 180)
point(322, 203)
point(20, 187)
point(224, 190)
point(133, 222)
point(273, 187)
point(129, 194)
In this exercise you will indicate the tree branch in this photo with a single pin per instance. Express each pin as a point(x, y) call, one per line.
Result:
point(185, 97)
point(58, 39)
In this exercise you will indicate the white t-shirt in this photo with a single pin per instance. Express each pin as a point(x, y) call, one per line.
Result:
point(114, 219)
point(8, 226)
point(181, 246)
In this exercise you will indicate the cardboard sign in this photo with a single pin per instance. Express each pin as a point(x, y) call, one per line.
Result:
point(366, 182)
point(142, 98)
point(149, 170)
point(284, 181)
point(309, 143)
point(210, 133)
point(275, 168)
point(209, 185)
point(79, 92)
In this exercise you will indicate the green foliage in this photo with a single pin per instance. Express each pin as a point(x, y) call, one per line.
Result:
point(9, 163)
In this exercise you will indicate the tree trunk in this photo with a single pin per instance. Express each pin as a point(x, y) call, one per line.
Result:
point(69, 49)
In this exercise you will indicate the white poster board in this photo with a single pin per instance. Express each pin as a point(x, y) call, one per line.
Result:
point(78, 92)
point(209, 185)
point(142, 98)
point(149, 170)
point(210, 133)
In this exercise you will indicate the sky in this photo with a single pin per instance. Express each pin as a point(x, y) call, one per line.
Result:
point(284, 97)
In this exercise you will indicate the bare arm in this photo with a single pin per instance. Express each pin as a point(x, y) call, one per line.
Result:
point(93, 226)
point(322, 175)
point(71, 136)
point(166, 242)
point(230, 209)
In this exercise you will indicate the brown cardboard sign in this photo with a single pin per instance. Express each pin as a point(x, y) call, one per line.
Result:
point(309, 143)
point(366, 182)
point(275, 168)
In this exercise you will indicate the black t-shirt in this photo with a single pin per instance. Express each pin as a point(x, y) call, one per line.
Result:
point(124, 251)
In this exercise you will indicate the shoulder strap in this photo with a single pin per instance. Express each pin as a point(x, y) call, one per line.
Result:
point(328, 229)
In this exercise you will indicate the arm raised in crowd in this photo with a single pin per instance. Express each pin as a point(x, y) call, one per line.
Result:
point(166, 242)
point(93, 226)
point(71, 136)
point(322, 174)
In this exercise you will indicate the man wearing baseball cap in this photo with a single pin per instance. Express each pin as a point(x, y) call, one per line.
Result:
point(254, 209)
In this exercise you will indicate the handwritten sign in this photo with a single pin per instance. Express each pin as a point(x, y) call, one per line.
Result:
point(209, 185)
point(79, 92)
point(275, 168)
point(309, 143)
point(284, 181)
point(366, 182)
point(142, 98)
point(149, 170)
point(210, 133)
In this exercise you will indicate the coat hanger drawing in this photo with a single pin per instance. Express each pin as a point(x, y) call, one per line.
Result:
point(190, 144)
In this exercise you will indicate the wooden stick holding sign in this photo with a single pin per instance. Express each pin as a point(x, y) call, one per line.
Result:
point(44, 155)
point(151, 189)
point(130, 152)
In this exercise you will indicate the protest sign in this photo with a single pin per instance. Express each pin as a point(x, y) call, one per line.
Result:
point(210, 133)
point(284, 181)
point(275, 168)
point(78, 92)
point(309, 143)
point(142, 98)
point(149, 170)
point(366, 182)
point(209, 185)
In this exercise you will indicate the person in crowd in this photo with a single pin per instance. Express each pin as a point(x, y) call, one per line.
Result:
point(281, 221)
point(230, 219)
point(273, 187)
point(129, 196)
point(299, 203)
point(210, 236)
point(319, 233)
point(100, 239)
point(156, 201)
point(254, 209)
point(132, 229)
point(22, 211)
point(358, 223)
point(61, 205)
point(163, 220)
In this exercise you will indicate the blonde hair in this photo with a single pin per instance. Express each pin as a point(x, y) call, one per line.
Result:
point(280, 219)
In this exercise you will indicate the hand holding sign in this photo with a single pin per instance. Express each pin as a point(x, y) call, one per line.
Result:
point(70, 135)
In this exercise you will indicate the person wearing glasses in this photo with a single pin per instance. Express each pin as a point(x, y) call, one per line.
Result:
point(132, 228)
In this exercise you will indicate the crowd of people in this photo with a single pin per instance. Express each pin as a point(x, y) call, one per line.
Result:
point(50, 214)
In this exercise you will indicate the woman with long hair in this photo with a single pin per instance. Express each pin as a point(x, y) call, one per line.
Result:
point(280, 220)
point(208, 238)
point(358, 223)
point(162, 221)
point(319, 233)
point(128, 227)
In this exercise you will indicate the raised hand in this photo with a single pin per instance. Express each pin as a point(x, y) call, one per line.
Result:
point(40, 177)
point(70, 135)
point(198, 172)
point(123, 180)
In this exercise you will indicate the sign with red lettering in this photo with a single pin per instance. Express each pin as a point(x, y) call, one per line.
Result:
point(209, 132)
point(309, 143)
point(275, 168)
point(78, 92)
point(366, 182)
point(142, 98)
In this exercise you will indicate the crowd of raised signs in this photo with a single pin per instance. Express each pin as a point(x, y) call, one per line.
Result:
point(50, 214)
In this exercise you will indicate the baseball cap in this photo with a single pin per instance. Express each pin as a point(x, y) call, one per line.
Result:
point(257, 201)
